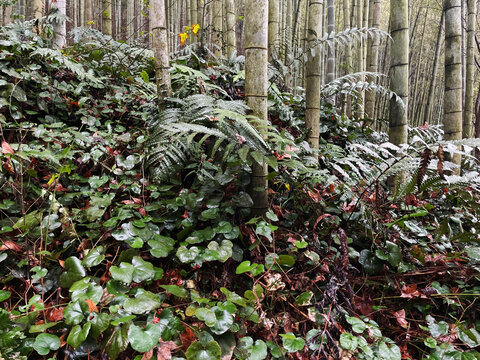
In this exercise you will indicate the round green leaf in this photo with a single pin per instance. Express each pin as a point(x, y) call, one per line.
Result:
point(142, 303)
point(291, 343)
point(4, 295)
point(358, 325)
point(143, 340)
point(186, 255)
point(94, 257)
point(75, 312)
point(348, 341)
point(74, 271)
point(44, 343)
point(78, 335)
point(206, 315)
point(210, 351)
point(224, 320)
point(175, 290)
point(259, 351)
point(161, 246)
point(124, 273)
point(389, 352)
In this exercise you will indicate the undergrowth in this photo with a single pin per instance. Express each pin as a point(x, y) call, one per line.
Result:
point(127, 233)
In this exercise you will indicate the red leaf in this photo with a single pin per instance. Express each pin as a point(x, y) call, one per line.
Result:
point(91, 305)
point(164, 350)
point(10, 245)
point(187, 337)
point(142, 211)
point(55, 314)
point(400, 316)
point(6, 148)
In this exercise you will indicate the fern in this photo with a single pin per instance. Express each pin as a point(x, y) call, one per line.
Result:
point(173, 132)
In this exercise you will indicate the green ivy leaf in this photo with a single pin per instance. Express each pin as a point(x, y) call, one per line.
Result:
point(186, 255)
point(124, 273)
point(100, 323)
point(206, 315)
point(210, 351)
point(244, 267)
point(176, 290)
point(116, 341)
point(78, 335)
point(161, 246)
point(358, 325)
point(142, 303)
point(83, 289)
point(304, 298)
point(348, 341)
point(41, 327)
point(389, 352)
point(224, 320)
point(74, 271)
point(4, 295)
point(75, 312)
point(143, 340)
point(259, 351)
point(143, 270)
point(291, 343)
point(233, 297)
point(265, 229)
point(209, 214)
point(44, 343)
point(94, 257)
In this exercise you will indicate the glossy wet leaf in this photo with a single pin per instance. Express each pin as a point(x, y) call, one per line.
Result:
point(78, 335)
point(123, 273)
point(94, 257)
point(176, 290)
point(143, 340)
point(44, 343)
point(142, 270)
point(116, 340)
point(223, 322)
point(74, 271)
point(209, 351)
point(161, 246)
point(75, 312)
point(142, 303)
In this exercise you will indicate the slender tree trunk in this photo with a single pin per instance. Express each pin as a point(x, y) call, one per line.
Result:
point(256, 82)
point(398, 122)
point(193, 12)
point(452, 108)
point(273, 26)
point(417, 99)
point(7, 14)
point(360, 63)
point(331, 49)
point(313, 72)
point(436, 60)
point(348, 53)
point(107, 17)
point(88, 12)
point(160, 49)
point(471, 28)
point(231, 24)
point(60, 27)
point(217, 28)
point(372, 57)
point(37, 9)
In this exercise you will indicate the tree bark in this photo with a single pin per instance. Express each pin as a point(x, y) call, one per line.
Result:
point(37, 9)
point(107, 17)
point(348, 53)
point(360, 63)
point(231, 24)
point(160, 49)
point(88, 13)
point(217, 28)
point(436, 60)
point(273, 26)
point(313, 72)
point(398, 122)
point(331, 49)
point(470, 75)
point(256, 82)
point(452, 108)
point(372, 56)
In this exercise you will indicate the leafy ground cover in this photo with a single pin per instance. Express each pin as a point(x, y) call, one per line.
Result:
point(127, 233)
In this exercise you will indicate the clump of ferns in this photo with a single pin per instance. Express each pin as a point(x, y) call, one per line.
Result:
point(201, 124)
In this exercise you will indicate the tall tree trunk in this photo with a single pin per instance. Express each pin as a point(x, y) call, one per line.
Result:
point(348, 52)
point(452, 108)
point(372, 56)
point(360, 63)
point(417, 99)
point(60, 27)
point(231, 24)
point(160, 49)
point(7, 14)
point(436, 60)
point(471, 28)
point(273, 26)
point(331, 49)
point(217, 27)
point(256, 83)
point(193, 12)
point(313, 73)
point(37, 9)
point(88, 12)
point(107, 17)
point(398, 122)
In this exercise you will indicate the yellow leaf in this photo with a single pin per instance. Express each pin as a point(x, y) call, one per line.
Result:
point(195, 29)
point(287, 186)
point(183, 38)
